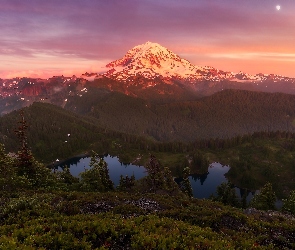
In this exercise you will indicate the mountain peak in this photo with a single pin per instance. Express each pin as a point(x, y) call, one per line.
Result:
point(150, 44)
point(151, 47)
point(150, 60)
point(146, 54)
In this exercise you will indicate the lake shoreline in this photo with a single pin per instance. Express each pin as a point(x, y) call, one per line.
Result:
point(57, 162)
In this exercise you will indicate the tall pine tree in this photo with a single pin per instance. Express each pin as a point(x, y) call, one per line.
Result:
point(25, 160)
point(265, 199)
point(97, 177)
point(159, 178)
point(185, 185)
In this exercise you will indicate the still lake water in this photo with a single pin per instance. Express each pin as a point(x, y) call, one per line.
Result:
point(203, 185)
point(116, 168)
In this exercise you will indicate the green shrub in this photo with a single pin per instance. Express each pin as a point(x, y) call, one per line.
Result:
point(265, 199)
point(227, 195)
point(289, 203)
point(97, 177)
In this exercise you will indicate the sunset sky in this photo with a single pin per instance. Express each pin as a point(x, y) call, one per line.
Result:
point(42, 38)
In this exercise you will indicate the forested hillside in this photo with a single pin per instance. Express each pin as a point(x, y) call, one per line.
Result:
point(56, 133)
point(254, 158)
point(223, 115)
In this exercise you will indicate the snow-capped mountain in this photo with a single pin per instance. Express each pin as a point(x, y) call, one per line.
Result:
point(149, 71)
point(151, 60)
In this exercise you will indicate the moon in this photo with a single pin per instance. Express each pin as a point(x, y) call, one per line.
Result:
point(278, 7)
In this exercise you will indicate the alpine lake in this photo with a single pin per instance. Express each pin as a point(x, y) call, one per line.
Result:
point(203, 185)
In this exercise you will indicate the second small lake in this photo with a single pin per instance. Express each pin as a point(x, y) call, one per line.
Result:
point(204, 185)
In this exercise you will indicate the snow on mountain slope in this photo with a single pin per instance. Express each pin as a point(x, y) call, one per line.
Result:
point(152, 60)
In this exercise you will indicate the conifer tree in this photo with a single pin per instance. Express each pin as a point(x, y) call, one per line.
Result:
point(155, 174)
point(5, 161)
point(289, 203)
point(126, 183)
point(185, 185)
point(227, 195)
point(105, 177)
point(7, 172)
point(159, 177)
point(97, 177)
point(66, 177)
point(265, 200)
point(25, 160)
point(169, 183)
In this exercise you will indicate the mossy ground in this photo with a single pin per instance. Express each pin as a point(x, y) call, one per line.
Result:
point(119, 220)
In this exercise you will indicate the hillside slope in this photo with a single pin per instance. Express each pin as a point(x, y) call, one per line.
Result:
point(224, 114)
point(54, 132)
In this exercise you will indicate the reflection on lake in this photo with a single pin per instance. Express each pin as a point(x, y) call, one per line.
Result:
point(204, 185)
point(116, 168)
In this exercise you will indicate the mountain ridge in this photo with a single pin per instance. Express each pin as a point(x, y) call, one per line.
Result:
point(153, 60)
point(222, 115)
point(149, 71)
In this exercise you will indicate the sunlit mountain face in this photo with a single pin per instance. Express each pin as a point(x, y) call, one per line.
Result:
point(152, 60)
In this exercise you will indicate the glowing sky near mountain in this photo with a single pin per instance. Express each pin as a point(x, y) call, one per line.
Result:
point(44, 38)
